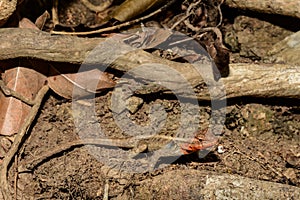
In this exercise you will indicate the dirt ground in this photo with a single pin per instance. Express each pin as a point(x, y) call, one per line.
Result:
point(261, 137)
point(260, 142)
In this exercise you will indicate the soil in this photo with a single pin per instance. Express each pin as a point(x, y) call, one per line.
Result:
point(260, 138)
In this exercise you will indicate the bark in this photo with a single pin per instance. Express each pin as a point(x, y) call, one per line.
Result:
point(282, 7)
point(255, 80)
point(30, 43)
point(195, 184)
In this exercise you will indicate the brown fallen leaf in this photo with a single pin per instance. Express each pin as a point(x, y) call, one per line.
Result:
point(24, 81)
point(85, 83)
point(13, 112)
point(132, 8)
point(26, 23)
point(219, 54)
point(39, 23)
point(149, 38)
point(41, 20)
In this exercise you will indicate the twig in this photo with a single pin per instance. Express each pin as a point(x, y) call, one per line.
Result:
point(256, 160)
point(55, 18)
point(187, 14)
point(220, 13)
point(112, 28)
point(216, 30)
point(106, 188)
point(9, 92)
point(16, 177)
point(18, 141)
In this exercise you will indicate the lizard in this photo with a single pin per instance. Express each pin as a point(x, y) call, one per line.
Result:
point(137, 144)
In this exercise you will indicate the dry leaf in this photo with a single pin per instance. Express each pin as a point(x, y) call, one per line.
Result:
point(150, 38)
point(26, 82)
point(131, 8)
point(26, 23)
point(41, 20)
point(219, 54)
point(85, 83)
point(39, 23)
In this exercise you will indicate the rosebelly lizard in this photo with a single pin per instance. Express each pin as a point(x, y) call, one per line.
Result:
point(187, 146)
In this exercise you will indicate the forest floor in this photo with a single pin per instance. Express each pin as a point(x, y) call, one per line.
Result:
point(261, 137)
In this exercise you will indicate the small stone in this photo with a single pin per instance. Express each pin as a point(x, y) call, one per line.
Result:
point(220, 149)
point(133, 104)
point(117, 101)
point(293, 160)
point(291, 175)
point(6, 144)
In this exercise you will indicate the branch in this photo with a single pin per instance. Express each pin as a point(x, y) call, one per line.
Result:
point(282, 7)
point(211, 185)
point(255, 80)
